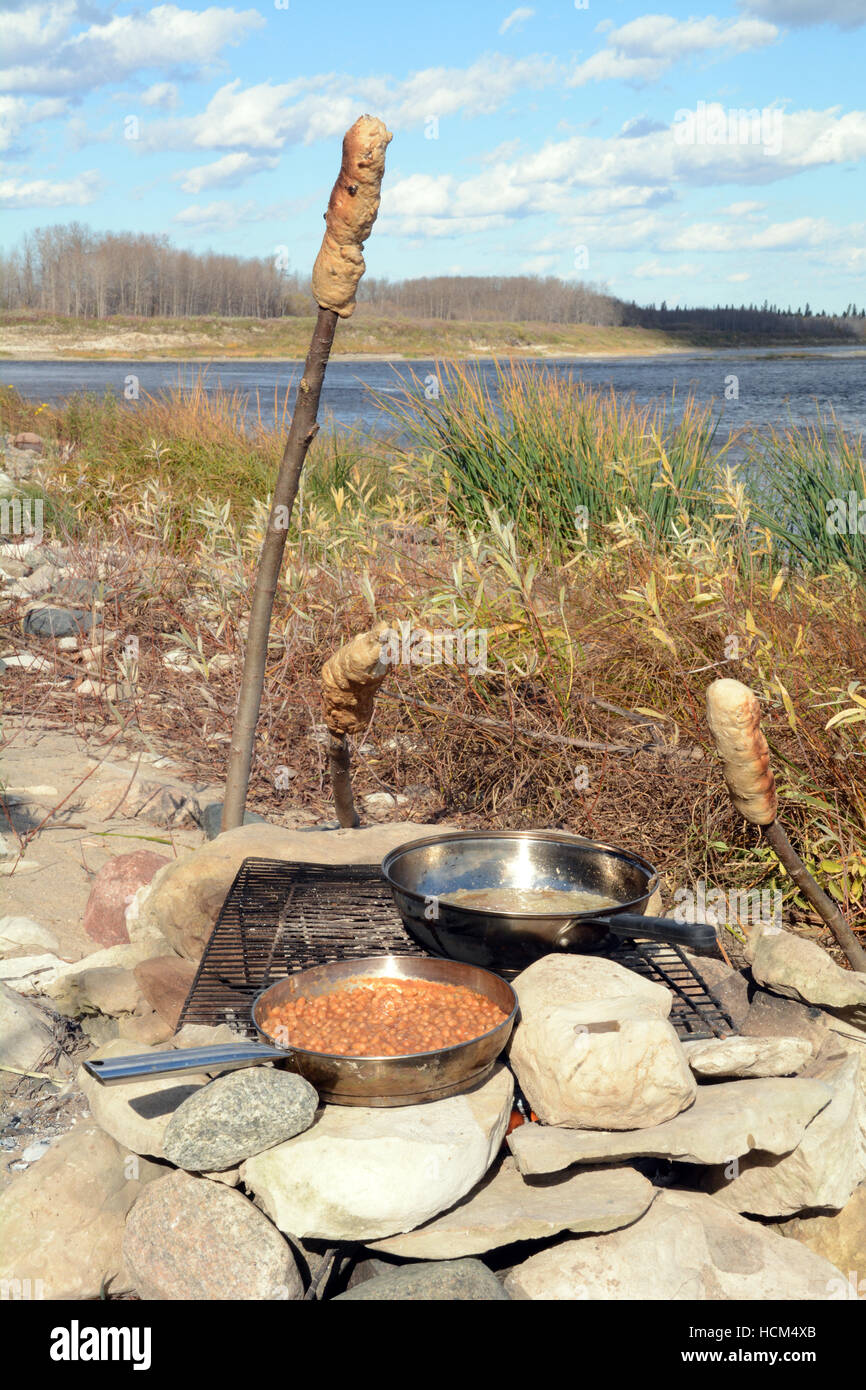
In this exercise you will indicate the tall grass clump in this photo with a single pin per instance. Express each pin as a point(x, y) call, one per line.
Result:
point(811, 493)
point(558, 458)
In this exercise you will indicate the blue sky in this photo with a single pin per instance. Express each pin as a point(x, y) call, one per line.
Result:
point(709, 151)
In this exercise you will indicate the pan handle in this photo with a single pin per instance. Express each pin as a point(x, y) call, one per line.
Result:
point(695, 936)
point(699, 937)
point(110, 1071)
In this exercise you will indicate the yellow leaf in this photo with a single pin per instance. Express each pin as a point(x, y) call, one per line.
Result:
point(777, 585)
point(663, 636)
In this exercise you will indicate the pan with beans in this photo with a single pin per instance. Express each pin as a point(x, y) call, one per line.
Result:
point(379, 1031)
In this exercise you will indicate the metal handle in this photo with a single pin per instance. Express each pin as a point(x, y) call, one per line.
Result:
point(110, 1071)
point(699, 937)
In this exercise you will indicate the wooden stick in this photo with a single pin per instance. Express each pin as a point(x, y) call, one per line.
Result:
point(341, 782)
point(775, 835)
point(302, 432)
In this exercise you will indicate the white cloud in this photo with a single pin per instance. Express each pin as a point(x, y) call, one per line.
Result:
point(642, 50)
point(744, 209)
point(228, 172)
point(848, 14)
point(163, 95)
point(661, 270)
point(165, 37)
point(516, 19)
point(16, 113)
point(43, 193)
point(268, 115)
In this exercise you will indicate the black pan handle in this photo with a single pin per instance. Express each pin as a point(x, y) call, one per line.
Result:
point(699, 937)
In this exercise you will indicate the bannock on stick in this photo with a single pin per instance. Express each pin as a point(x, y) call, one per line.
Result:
point(734, 717)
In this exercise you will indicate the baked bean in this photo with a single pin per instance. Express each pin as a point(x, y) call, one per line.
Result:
point(384, 1018)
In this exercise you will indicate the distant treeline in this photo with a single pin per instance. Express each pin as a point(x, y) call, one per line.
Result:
point(76, 272)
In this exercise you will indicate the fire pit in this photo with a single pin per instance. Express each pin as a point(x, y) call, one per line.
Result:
point(279, 918)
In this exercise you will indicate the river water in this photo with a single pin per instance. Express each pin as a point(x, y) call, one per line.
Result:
point(764, 386)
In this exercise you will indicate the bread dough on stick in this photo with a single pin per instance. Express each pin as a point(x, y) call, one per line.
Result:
point(351, 213)
point(350, 679)
point(734, 717)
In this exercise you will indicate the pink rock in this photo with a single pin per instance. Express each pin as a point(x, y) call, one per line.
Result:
point(28, 440)
point(113, 890)
point(164, 981)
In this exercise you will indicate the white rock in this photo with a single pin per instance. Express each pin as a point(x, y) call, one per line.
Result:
point(593, 1048)
point(505, 1208)
point(363, 1174)
point(22, 934)
point(826, 1166)
point(685, 1247)
point(799, 969)
point(26, 661)
point(32, 974)
point(67, 988)
point(25, 1034)
point(736, 1056)
point(725, 1121)
point(63, 1219)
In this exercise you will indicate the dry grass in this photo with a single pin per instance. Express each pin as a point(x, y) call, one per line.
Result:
point(625, 622)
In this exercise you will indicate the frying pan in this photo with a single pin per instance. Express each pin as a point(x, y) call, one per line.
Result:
point(421, 875)
point(370, 1081)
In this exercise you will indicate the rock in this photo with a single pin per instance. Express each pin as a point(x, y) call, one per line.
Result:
point(136, 1114)
point(825, 1167)
point(594, 1049)
point(735, 1056)
point(733, 995)
point(187, 894)
point(66, 981)
point(158, 803)
point(770, 1016)
point(379, 802)
point(63, 1219)
point(45, 621)
point(685, 1247)
point(238, 1116)
point(32, 974)
point(505, 1208)
point(13, 569)
point(21, 934)
point(840, 1237)
point(111, 990)
point(28, 440)
point(187, 1238)
point(165, 982)
point(725, 1121)
point(41, 581)
point(145, 1029)
point(713, 972)
point(25, 1033)
point(113, 889)
point(26, 661)
point(363, 1174)
point(211, 818)
point(449, 1280)
point(203, 1035)
point(799, 969)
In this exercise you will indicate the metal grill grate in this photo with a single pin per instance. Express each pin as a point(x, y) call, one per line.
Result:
point(280, 917)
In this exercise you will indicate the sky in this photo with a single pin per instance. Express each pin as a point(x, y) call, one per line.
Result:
point(711, 151)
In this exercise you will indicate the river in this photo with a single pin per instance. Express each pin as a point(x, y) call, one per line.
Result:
point(764, 386)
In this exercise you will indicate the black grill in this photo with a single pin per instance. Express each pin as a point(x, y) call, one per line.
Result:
point(279, 918)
